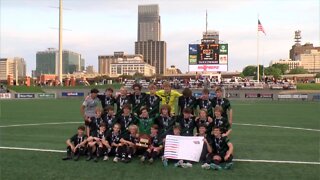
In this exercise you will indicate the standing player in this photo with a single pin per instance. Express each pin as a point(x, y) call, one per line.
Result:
point(121, 100)
point(90, 106)
point(224, 103)
point(138, 99)
point(187, 123)
point(153, 101)
point(107, 98)
point(187, 101)
point(222, 152)
point(168, 96)
point(76, 144)
point(155, 147)
point(204, 102)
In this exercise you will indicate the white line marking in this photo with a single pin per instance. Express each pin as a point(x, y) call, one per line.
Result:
point(39, 124)
point(284, 127)
point(238, 160)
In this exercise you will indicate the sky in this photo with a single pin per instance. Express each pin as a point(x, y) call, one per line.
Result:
point(100, 27)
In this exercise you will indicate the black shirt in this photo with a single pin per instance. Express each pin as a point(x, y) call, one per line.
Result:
point(206, 104)
point(156, 141)
point(120, 101)
point(165, 124)
point(75, 139)
point(106, 101)
point(113, 138)
point(187, 125)
point(153, 104)
point(94, 125)
point(109, 120)
point(137, 102)
point(185, 102)
point(220, 145)
point(125, 122)
point(224, 103)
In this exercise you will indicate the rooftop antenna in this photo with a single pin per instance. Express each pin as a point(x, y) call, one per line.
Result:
point(297, 37)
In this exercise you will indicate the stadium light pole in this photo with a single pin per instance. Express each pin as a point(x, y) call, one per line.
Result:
point(60, 43)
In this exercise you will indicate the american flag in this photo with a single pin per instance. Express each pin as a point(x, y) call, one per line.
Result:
point(260, 28)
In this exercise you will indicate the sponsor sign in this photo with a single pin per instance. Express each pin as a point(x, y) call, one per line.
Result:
point(223, 48)
point(5, 95)
point(183, 147)
point(46, 96)
point(209, 68)
point(223, 59)
point(72, 94)
point(25, 96)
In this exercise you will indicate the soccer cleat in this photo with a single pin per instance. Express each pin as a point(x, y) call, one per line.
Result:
point(215, 167)
point(205, 166)
point(115, 159)
point(76, 158)
point(151, 160)
point(105, 158)
point(179, 163)
point(186, 165)
point(89, 158)
point(95, 159)
point(142, 159)
point(228, 165)
point(165, 162)
point(66, 158)
point(127, 160)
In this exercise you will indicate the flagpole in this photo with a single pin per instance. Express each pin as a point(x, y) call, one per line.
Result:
point(258, 53)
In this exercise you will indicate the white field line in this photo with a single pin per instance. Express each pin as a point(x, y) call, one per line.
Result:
point(271, 126)
point(237, 160)
point(39, 124)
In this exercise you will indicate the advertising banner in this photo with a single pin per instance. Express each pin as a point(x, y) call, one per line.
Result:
point(47, 96)
point(205, 67)
point(25, 96)
point(5, 95)
point(72, 94)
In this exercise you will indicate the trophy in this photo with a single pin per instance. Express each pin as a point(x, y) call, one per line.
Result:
point(144, 141)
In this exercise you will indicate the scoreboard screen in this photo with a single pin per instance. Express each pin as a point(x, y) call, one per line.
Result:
point(208, 54)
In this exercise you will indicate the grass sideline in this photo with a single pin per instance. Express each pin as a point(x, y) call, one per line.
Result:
point(250, 143)
point(308, 86)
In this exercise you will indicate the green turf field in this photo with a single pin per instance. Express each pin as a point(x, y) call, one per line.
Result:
point(250, 141)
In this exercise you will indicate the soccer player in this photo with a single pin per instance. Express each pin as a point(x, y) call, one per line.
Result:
point(109, 117)
point(187, 122)
point(144, 121)
point(153, 101)
point(221, 122)
point(114, 141)
point(204, 120)
point(93, 123)
point(107, 98)
point(165, 121)
point(204, 102)
point(168, 96)
point(222, 150)
point(126, 119)
point(121, 100)
point(224, 103)
point(76, 144)
point(155, 147)
point(98, 144)
point(128, 148)
point(207, 149)
point(89, 107)
point(138, 98)
point(187, 101)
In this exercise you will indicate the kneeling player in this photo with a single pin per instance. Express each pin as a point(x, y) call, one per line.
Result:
point(128, 148)
point(222, 151)
point(155, 147)
point(76, 144)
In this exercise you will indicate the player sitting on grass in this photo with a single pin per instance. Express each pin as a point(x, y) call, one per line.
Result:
point(221, 122)
point(155, 148)
point(128, 148)
point(109, 118)
point(207, 149)
point(76, 144)
point(222, 151)
point(114, 141)
point(178, 163)
point(204, 120)
point(98, 144)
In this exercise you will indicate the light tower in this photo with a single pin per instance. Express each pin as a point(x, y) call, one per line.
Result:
point(60, 43)
point(297, 37)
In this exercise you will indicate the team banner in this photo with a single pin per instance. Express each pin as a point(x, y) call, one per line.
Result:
point(5, 95)
point(183, 147)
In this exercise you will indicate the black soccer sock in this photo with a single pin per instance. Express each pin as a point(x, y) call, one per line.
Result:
point(68, 151)
point(229, 160)
point(154, 154)
point(98, 151)
point(130, 152)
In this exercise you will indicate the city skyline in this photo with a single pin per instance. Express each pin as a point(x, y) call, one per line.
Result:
point(103, 27)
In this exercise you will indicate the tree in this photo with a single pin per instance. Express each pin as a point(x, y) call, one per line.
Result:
point(273, 71)
point(298, 70)
point(283, 67)
point(252, 71)
point(318, 75)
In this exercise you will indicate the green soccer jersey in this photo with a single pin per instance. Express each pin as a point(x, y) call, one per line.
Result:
point(145, 124)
